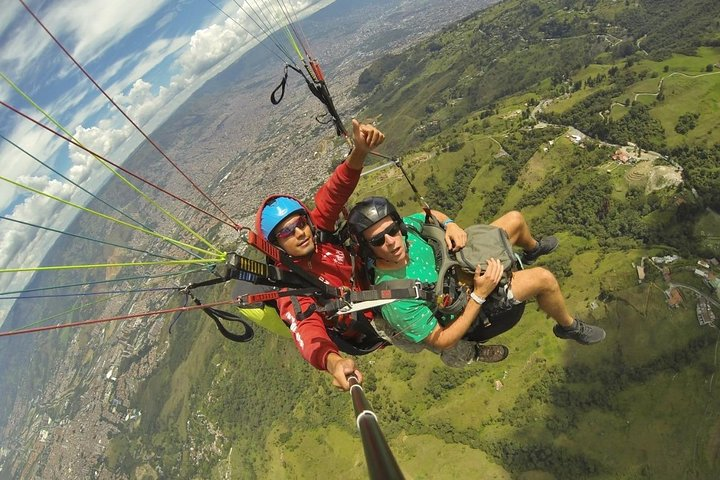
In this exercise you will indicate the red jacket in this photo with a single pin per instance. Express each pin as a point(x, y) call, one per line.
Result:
point(331, 263)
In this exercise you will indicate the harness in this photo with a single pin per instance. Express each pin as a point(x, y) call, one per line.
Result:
point(484, 241)
point(447, 295)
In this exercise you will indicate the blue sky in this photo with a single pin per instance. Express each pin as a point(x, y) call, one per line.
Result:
point(149, 55)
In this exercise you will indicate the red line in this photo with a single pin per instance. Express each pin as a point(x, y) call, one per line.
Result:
point(125, 114)
point(113, 319)
point(119, 167)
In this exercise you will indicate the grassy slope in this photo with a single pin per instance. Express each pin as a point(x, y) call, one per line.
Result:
point(634, 413)
point(670, 407)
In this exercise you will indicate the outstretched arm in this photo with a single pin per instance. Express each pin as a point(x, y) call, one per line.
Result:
point(314, 343)
point(365, 139)
point(340, 367)
point(334, 194)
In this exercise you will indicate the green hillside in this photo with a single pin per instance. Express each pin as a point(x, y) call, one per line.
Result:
point(482, 115)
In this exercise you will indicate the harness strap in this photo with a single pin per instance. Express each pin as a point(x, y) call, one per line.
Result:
point(390, 290)
point(216, 315)
point(272, 295)
point(323, 236)
point(286, 260)
point(301, 315)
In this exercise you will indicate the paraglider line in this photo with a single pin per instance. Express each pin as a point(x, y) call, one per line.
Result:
point(264, 28)
point(122, 279)
point(151, 141)
point(108, 265)
point(113, 319)
point(126, 247)
point(89, 294)
point(71, 310)
point(71, 181)
point(119, 167)
point(107, 217)
point(260, 42)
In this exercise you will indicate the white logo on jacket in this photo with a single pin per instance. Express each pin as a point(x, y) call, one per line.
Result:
point(294, 329)
point(338, 256)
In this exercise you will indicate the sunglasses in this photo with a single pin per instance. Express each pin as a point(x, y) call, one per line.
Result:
point(379, 239)
point(288, 230)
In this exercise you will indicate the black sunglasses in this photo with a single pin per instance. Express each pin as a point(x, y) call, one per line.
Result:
point(379, 239)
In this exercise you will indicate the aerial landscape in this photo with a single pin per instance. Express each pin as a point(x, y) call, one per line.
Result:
point(594, 118)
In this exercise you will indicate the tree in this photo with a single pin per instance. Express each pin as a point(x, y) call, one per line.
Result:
point(686, 122)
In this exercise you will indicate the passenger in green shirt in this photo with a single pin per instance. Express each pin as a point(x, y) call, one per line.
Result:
point(399, 253)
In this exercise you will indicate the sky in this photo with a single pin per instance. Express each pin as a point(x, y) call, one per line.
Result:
point(149, 56)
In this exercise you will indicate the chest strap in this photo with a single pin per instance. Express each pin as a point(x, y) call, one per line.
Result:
point(379, 295)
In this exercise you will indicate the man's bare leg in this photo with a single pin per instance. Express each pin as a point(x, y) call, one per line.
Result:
point(541, 284)
point(519, 234)
point(517, 229)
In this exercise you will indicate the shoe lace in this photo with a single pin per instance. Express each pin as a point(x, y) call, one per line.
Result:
point(583, 328)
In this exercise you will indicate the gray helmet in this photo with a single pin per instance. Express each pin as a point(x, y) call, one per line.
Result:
point(368, 212)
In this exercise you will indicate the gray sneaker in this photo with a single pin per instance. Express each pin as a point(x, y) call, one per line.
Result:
point(490, 353)
point(545, 245)
point(581, 332)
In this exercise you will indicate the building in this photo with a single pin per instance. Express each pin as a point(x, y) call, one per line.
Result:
point(640, 273)
point(705, 315)
point(666, 274)
point(621, 156)
point(714, 283)
point(700, 273)
point(665, 259)
point(674, 298)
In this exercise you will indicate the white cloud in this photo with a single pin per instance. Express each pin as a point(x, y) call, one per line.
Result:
point(97, 25)
point(8, 14)
point(35, 209)
point(141, 103)
point(22, 45)
point(15, 163)
point(89, 29)
point(208, 46)
point(138, 64)
point(101, 139)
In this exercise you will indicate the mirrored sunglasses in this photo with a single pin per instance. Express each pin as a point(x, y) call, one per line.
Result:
point(288, 230)
point(379, 239)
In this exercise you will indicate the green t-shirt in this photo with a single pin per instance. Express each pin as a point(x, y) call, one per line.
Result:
point(412, 318)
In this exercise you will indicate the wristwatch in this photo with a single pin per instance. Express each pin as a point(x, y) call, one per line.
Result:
point(476, 298)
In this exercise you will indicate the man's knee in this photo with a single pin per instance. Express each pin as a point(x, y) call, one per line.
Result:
point(516, 217)
point(541, 278)
point(531, 282)
point(545, 277)
point(513, 218)
point(511, 222)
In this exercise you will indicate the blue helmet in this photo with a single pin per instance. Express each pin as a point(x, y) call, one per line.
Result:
point(277, 210)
